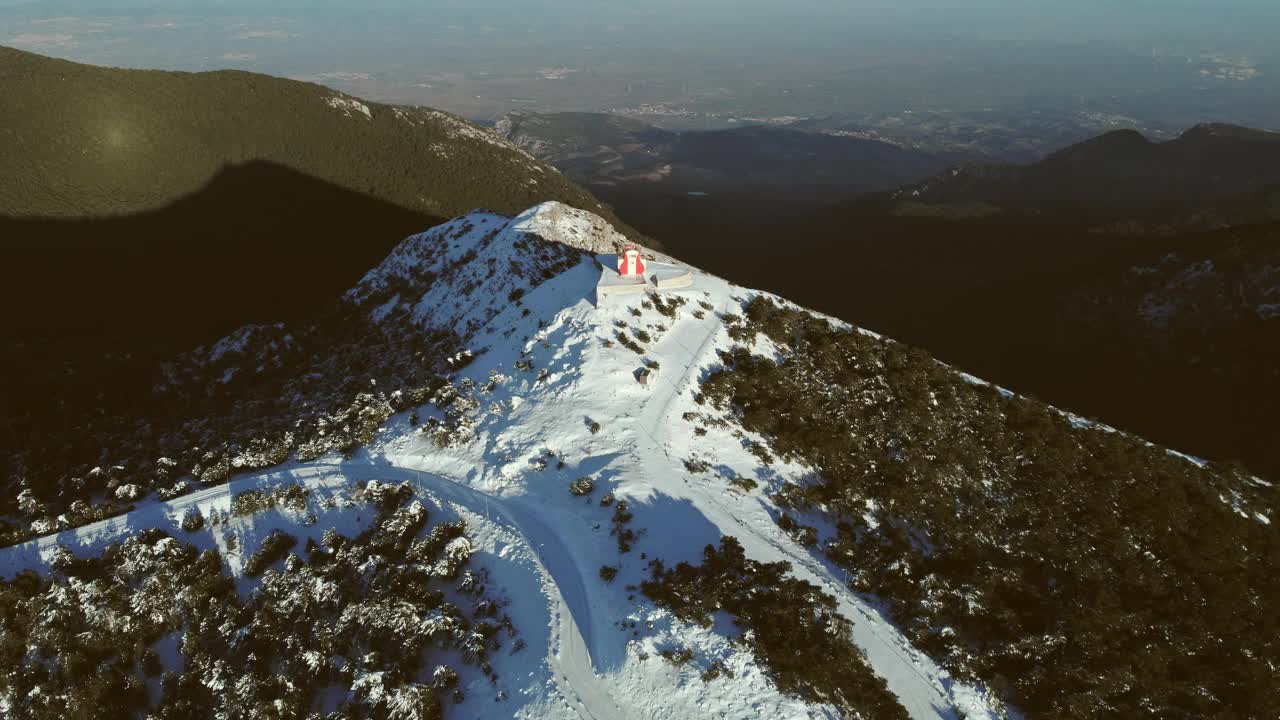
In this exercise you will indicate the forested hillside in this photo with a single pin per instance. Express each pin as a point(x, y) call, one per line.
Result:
point(1079, 571)
point(129, 198)
point(85, 141)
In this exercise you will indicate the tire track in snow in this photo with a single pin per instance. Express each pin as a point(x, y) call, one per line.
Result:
point(576, 666)
point(569, 655)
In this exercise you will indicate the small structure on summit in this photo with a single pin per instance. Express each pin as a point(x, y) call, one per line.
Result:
point(634, 275)
point(630, 262)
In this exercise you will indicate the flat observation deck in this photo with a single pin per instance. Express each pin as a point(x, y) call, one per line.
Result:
point(657, 276)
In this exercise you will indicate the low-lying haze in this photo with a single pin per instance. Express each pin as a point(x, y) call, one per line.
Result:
point(1158, 65)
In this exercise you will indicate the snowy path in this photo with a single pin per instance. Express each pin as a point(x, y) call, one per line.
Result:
point(910, 675)
point(93, 537)
point(575, 673)
point(569, 658)
point(694, 340)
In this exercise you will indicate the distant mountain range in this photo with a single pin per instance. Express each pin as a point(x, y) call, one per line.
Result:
point(621, 158)
point(1121, 172)
point(1212, 175)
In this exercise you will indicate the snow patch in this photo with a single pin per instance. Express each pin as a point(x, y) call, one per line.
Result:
point(349, 106)
point(1198, 462)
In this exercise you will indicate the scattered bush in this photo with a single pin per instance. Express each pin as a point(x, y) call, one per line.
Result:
point(250, 502)
point(274, 547)
point(697, 465)
point(792, 627)
point(192, 520)
point(608, 572)
point(679, 658)
point(621, 518)
point(669, 307)
point(628, 343)
point(803, 534)
point(715, 670)
point(582, 486)
point(762, 454)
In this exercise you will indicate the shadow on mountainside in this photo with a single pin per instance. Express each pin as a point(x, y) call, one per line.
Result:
point(260, 242)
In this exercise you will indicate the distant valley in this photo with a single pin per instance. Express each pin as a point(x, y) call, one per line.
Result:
point(620, 159)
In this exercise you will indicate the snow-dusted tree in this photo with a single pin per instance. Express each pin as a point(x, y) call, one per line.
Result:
point(367, 614)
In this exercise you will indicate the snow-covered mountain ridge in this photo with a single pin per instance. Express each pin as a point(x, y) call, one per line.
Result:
point(460, 275)
point(550, 394)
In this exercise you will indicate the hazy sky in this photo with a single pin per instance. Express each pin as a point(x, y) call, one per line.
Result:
point(480, 56)
point(1244, 21)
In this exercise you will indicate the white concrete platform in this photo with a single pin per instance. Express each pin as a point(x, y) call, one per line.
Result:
point(675, 279)
point(611, 283)
point(658, 276)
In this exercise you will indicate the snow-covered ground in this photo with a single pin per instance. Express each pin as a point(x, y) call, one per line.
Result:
point(555, 397)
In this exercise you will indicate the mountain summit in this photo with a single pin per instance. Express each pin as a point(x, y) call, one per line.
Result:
point(479, 486)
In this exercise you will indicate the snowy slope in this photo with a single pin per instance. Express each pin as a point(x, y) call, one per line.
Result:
point(552, 396)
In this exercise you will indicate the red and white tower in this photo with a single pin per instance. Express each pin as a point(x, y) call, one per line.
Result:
point(630, 262)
